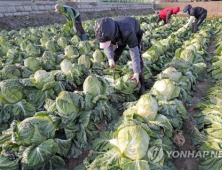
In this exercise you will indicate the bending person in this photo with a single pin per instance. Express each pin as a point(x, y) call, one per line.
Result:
point(114, 35)
point(72, 15)
point(197, 13)
point(166, 14)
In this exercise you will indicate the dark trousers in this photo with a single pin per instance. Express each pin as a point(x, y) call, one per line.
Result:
point(79, 25)
point(198, 21)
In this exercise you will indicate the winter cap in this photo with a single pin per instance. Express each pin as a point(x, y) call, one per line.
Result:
point(105, 31)
point(176, 10)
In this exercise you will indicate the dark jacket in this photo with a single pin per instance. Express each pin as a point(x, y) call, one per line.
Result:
point(120, 31)
point(197, 12)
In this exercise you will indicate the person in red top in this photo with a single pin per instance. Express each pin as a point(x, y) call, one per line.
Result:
point(166, 13)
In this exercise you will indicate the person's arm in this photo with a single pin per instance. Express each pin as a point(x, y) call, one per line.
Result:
point(158, 19)
point(135, 57)
point(110, 55)
point(169, 13)
point(190, 21)
point(109, 52)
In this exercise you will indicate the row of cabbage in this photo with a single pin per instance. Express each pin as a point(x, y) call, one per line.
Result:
point(69, 117)
point(147, 124)
point(48, 120)
point(207, 130)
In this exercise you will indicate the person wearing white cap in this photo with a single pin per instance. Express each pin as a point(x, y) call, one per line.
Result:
point(114, 35)
point(72, 15)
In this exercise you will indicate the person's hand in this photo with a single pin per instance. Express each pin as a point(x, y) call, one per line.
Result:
point(112, 64)
point(74, 29)
point(185, 26)
point(135, 77)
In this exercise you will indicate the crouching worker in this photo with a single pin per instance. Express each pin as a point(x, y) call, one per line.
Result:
point(166, 14)
point(198, 13)
point(114, 35)
point(72, 15)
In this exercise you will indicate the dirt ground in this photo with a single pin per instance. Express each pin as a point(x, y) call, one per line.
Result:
point(73, 163)
point(200, 91)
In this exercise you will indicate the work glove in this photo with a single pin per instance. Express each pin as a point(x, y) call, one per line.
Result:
point(135, 77)
point(74, 29)
point(185, 26)
point(112, 64)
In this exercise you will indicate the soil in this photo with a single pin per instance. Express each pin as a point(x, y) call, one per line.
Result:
point(200, 91)
point(73, 163)
point(18, 22)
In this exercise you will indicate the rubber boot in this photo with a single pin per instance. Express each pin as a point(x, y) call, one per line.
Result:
point(84, 37)
point(142, 82)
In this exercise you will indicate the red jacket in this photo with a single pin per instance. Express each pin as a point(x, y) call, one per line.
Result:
point(163, 13)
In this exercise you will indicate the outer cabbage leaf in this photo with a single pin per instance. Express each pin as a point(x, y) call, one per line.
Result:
point(35, 156)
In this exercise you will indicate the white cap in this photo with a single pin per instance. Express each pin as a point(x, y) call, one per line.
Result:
point(105, 44)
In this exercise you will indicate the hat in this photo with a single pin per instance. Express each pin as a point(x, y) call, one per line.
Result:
point(104, 44)
point(176, 10)
point(105, 31)
point(57, 7)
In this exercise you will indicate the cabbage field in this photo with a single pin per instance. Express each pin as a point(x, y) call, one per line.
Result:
point(59, 100)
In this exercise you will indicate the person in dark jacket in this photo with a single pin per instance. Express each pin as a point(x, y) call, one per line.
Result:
point(198, 13)
point(166, 14)
point(72, 15)
point(114, 35)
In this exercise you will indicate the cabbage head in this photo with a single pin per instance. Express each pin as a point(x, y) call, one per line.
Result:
point(188, 55)
point(50, 45)
point(98, 56)
point(33, 50)
point(68, 103)
point(192, 47)
point(11, 91)
point(85, 61)
point(36, 156)
point(84, 47)
point(62, 42)
point(33, 130)
point(75, 40)
point(125, 85)
point(41, 77)
point(171, 73)
point(48, 60)
point(24, 44)
point(133, 141)
point(14, 55)
point(147, 107)
point(33, 63)
point(11, 72)
point(165, 90)
point(66, 66)
point(71, 52)
point(93, 86)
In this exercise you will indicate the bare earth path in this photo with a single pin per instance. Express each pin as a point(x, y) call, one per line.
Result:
point(200, 91)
